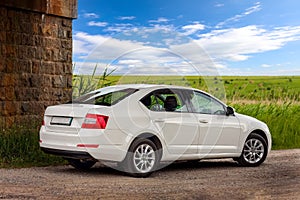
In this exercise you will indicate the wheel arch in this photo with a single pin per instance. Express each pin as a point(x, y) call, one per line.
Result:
point(151, 137)
point(257, 131)
point(243, 161)
point(261, 133)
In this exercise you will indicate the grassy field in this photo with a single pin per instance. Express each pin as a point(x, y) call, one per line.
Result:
point(230, 88)
point(255, 88)
point(274, 100)
point(282, 119)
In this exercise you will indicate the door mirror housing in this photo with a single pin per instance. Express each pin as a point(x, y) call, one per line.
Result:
point(229, 111)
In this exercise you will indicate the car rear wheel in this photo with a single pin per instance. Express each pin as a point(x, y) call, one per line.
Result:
point(142, 158)
point(81, 164)
point(254, 152)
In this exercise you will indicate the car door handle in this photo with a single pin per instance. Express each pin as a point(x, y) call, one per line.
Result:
point(203, 121)
point(159, 120)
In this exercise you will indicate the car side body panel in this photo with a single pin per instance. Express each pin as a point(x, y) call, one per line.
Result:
point(183, 135)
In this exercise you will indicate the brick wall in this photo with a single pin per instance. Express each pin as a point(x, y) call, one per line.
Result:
point(35, 64)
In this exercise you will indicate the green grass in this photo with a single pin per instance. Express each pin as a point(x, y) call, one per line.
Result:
point(256, 88)
point(282, 120)
point(283, 89)
point(274, 100)
point(19, 147)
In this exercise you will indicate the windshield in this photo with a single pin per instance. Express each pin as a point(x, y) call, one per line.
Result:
point(106, 96)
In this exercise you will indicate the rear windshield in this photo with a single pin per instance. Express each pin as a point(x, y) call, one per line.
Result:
point(105, 99)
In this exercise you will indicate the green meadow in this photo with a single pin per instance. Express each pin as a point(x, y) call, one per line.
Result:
point(255, 89)
point(274, 100)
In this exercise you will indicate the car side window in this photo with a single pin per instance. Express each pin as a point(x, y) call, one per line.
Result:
point(154, 103)
point(113, 98)
point(164, 100)
point(205, 104)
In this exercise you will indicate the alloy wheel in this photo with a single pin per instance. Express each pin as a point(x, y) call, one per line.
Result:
point(253, 151)
point(144, 158)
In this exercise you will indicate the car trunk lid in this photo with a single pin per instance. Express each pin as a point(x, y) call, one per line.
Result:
point(67, 118)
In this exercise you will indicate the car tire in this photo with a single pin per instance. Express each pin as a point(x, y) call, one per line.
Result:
point(142, 158)
point(254, 152)
point(81, 164)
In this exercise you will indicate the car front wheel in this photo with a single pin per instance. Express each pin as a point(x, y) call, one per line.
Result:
point(254, 152)
point(142, 158)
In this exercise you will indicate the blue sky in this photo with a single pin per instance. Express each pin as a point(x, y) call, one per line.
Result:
point(195, 37)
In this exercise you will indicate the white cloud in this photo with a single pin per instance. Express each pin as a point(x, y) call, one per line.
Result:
point(84, 43)
point(126, 17)
point(237, 44)
point(219, 5)
point(88, 68)
point(134, 57)
point(255, 8)
point(248, 11)
point(220, 66)
point(159, 48)
point(99, 24)
point(192, 28)
point(159, 27)
point(90, 15)
point(265, 65)
point(98, 47)
point(129, 62)
point(193, 53)
point(159, 20)
point(118, 28)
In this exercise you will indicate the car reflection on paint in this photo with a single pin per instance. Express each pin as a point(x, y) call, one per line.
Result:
point(139, 126)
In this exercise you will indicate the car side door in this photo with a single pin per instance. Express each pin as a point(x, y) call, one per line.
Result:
point(219, 132)
point(176, 125)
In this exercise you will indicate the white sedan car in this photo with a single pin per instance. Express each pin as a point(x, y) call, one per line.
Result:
point(141, 126)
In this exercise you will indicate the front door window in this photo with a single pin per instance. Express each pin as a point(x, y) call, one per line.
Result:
point(204, 104)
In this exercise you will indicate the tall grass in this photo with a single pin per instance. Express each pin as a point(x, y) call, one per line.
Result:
point(19, 147)
point(258, 88)
point(83, 84)
point(274, 100)
point(283, 121)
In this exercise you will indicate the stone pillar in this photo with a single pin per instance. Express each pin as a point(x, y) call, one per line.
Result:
point(35, 58)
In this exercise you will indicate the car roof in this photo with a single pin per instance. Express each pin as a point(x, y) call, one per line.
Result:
point(147, 86)
point(140, 86)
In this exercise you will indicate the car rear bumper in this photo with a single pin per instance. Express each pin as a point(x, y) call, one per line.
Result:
point(86, 144)
point(68, 154)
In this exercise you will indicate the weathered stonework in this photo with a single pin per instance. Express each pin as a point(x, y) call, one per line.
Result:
point(35, 57)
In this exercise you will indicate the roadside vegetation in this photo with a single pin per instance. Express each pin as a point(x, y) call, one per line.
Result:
point(83, 84)
point(19, 147)
point(274, 100)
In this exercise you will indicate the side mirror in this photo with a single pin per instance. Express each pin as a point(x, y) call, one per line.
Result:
point(229, 111)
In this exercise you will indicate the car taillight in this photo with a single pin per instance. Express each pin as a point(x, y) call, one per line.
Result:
point(95, 121)
point(43, 123)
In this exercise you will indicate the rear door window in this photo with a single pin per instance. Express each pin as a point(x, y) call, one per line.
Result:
point(165, 100)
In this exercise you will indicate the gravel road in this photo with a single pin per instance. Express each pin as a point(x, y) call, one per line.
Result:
point(277, 178)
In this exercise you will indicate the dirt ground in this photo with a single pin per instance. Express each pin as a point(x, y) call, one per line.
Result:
point(277, 178)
